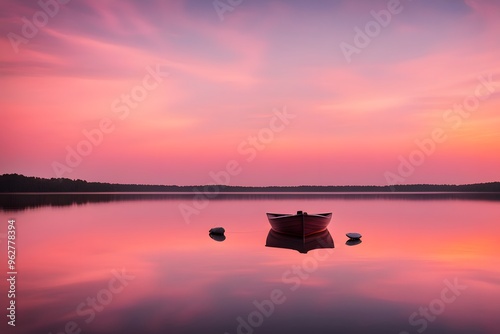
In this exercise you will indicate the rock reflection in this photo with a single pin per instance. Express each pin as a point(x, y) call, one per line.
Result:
point(217, 237)
point(353, 242)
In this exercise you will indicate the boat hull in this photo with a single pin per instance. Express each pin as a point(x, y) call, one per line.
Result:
point(301, 224)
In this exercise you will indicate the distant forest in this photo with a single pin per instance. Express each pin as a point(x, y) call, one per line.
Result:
point(15, 183)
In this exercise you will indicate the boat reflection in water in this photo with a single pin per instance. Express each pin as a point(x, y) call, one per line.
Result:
point(302, 244)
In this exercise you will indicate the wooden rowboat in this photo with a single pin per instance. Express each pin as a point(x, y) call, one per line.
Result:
point(300, 224)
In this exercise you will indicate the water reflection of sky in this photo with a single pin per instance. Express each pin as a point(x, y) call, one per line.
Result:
point(185, 282)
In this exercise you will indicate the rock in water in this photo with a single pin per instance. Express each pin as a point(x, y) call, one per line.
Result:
point(217, 230)
point(353, 235)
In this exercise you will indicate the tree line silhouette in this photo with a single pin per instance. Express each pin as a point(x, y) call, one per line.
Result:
point(15, 183)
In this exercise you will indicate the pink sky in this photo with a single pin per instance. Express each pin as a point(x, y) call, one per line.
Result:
point(352, 117)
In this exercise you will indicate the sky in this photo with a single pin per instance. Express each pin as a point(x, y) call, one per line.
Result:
point(251, 92)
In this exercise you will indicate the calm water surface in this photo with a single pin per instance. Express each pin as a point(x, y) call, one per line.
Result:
point(117, 264)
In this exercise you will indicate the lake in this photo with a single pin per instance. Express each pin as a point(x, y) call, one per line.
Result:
point(144, 263)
